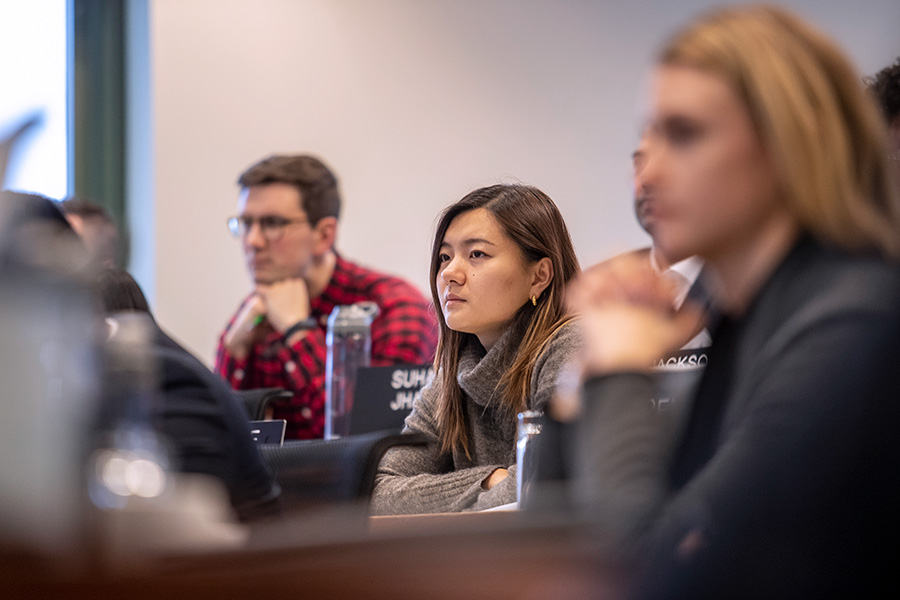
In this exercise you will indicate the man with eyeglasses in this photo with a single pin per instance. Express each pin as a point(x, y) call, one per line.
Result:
point(287, 222)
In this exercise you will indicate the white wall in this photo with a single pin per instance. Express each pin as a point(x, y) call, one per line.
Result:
point(413, 103)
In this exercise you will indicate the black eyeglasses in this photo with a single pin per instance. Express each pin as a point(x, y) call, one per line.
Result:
point(271, 226)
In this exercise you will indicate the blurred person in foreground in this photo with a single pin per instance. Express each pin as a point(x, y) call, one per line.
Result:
point(765, 157)
point(95, 227)
point(199, 415)
point(500, 263)
point(885, 88)
point(287, 222)
point(203, 422)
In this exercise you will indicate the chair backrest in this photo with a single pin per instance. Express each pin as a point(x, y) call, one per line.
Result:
point(317, 472)
point(256, 401)
point(384, 396)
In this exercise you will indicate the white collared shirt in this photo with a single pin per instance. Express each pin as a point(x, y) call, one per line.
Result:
point(684, 273)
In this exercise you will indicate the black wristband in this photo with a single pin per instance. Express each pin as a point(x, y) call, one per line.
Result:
point(301, 325)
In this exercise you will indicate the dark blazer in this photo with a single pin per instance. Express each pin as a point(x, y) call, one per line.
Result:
point(799, 494)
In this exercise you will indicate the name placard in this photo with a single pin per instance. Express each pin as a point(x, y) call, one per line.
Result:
point(678, 376)
point(384, 396)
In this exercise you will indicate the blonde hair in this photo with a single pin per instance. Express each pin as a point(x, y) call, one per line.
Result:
point(809, 108)
point(531, 220)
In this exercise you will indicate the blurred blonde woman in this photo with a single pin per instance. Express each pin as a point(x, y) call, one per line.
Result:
point(500, 264)
point(765, 157)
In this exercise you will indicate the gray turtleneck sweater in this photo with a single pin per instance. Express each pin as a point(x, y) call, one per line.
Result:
point(422, 479)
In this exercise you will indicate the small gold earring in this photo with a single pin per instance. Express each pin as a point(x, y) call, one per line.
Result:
point(533, 300)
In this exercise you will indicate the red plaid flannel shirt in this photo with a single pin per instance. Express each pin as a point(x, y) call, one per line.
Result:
point(405, 331)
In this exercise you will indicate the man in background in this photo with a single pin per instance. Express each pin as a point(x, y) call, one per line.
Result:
point(288, 213)
point(685, 273)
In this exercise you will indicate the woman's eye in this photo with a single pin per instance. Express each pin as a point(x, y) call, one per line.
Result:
point(478, 254)
point(443, 258)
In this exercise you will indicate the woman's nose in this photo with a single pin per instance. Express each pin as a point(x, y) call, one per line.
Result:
point(452, 273)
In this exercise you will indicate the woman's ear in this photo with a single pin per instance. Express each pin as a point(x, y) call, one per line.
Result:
point(541, 275)
point(324, 235)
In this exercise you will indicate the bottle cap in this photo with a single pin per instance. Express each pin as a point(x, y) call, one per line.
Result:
point(353, 318)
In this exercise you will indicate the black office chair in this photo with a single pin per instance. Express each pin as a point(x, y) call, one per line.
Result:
point(314, 473)
point(258, 400)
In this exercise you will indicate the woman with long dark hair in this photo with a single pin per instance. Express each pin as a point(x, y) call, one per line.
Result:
point(501, 260)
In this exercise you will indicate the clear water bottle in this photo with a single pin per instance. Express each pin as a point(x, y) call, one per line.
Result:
point(528, 427)
point(349, 340)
